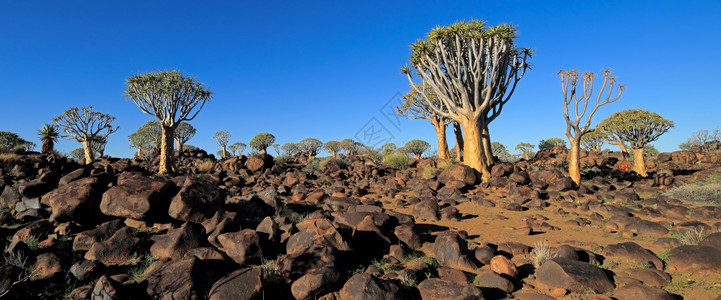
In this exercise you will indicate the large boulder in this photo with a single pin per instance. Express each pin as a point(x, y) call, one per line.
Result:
point(316, 232)
point(119, 249)
point(242, 246)
point(690, 258)
point(438, 289)
point(197, 201)
point(363, 286)
point(573, 275)
point(75, 201)
point(452, 251)
point(636, 291)
point(634, 253)
point(242, 284)
point(187, 278)
point(85, 239)
point(176, 242)
point(458, 172)
point(136, 197)
point(315, 283)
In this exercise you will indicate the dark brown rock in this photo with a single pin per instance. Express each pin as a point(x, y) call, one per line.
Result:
point(490, 279)
point(407, 235)
point(315, 283)
point(458, 172)
point(426, 209)
point(119, 249)
point(437, 289)
point(85, 269)
point(451, 251)
point(196, 201)
point(187, 278)
point(363, 286)
point(84, 240)
point(76, 201)
point(313, 232)
point(176, 242)
point(573, 275)
point(244, 283)
point(638, 291)
point(695, 259)
point(46, 265)
point(137, 197)
point(632, 252)
point(242, 246)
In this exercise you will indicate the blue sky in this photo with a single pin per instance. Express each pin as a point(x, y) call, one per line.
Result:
point(324, 69)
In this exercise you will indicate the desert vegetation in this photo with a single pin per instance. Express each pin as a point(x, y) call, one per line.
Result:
point(564, 219)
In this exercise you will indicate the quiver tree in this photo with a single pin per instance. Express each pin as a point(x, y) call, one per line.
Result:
point(289, 149)
point(97, 145)
point(473, 70)
point(170, 97)
point(702, 139)
point(183, 133)
point(593, 140)
point(85, 126)
point(222, 138)
point(549, 143)
point(146, 139)
point(49, 136)
point(637, 127)
point(577, 102)
point(333, 147)
point(276, 148)
point(262, 141)
point(388, 148)
point(416, 107)
point(237, 148)
point(350, 146)
point(526, 150)
point(500, 151)
point(310, 147)
point(416, 147)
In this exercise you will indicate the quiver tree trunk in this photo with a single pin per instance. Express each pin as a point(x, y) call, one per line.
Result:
point(639, 164)
point(459, 140)
point(166, 150)
point(440, 127)
point(473, 155)
point(179, 145)
point(574, 155)
point(88, 152)
point(225, 153)
point(624, 151)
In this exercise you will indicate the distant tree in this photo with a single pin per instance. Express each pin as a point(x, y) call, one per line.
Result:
point(77, 154)
point(170, 97)
point(97, 144)
point(578, 103)
point(548, 144)
point(473, 70)
point(84, 125)
point(276, 148)
point(638, 127)
point(49, 135)
point(416, 147)
point(332, 147)
point(146, 140)
point(526, 150)
point(390, 148)
point(650, 149)
point(593, 140)
point(290, 149)
point(310, 147)
point(183, 133)
point(416, 107)
point(501, 152)
point(222, 137)
point(350, 146)
point(10, 141)
point(262, 141)
point(701, 138)
point(237, 148)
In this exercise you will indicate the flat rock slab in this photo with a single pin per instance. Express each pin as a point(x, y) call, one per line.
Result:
point(630, 251)
point(573, 275)
point(695, 258)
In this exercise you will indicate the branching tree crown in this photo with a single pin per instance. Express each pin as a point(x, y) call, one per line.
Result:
point(146, 139)
point(262, 141)
point(638, 127)
point(525, 149)
point(310, 146)
point(416, 147)
point(333, 147)
point(183, 133)
point(83, 125)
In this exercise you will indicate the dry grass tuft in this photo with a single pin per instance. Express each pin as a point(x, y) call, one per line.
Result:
point(540, 254)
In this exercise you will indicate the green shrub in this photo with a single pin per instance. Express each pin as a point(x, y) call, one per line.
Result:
point(429, 172)
point(397, 160)
point(312, 166)
point(341, 163)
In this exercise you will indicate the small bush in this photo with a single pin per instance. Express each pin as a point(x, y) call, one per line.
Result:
point(429, 172)
point(708, 193)
point(692, 236)
point(341, 163)
point(312, 166)
point(397, 160)
point(204, 166)
point(442, 164)
point(541, 253)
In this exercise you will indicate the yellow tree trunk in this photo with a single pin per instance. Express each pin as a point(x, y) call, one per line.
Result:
point(624, 151)
point(442, 143)
point(639, 164)
point(574, 160)
point(88, 152)
point(166, 150)
point(473, 148)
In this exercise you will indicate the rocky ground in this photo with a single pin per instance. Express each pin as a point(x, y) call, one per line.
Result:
point(350, 228)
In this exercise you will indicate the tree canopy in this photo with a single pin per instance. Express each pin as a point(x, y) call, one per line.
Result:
point(638, 127)
point(85, 125)
point(262, 141)
point(548, 144)
point(416, 147)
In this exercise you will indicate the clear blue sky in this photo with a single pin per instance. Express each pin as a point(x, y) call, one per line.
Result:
point(323, 69)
